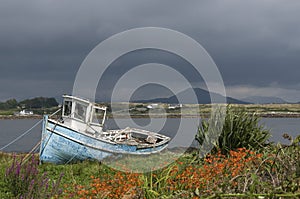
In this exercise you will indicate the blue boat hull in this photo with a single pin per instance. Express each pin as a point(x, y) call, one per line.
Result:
point(62, 145)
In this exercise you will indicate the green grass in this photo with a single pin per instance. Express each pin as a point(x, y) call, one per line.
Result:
point(7, 112)
point(271, 173)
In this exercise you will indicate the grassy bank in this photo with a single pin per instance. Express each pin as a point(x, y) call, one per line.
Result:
point(271, 172)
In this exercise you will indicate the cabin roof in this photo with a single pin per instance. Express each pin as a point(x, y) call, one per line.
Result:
point(84, 101)
point(76, 98)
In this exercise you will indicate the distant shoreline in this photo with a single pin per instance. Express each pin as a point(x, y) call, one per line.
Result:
point(138, 110)
point(14, 117)
point(263, 115)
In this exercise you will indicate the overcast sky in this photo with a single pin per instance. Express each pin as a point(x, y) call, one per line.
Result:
point(255, 43)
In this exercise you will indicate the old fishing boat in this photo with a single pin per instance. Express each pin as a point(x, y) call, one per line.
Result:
point(79, 134)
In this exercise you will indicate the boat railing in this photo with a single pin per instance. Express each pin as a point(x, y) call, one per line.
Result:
point(55, 115)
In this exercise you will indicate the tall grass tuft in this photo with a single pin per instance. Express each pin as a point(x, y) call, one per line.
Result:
point(240, 130)
point(24, 181)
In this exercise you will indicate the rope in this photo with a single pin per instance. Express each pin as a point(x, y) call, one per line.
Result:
point(71, 159)
point(26, 132)
point(31, 152)
point(22, 135)
point(55, 112)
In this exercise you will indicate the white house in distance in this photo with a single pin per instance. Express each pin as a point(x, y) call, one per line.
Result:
point(152, 106)
point(174, 106)
point(25, 112)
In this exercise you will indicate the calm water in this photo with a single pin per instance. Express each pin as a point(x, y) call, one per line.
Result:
point(10, 129)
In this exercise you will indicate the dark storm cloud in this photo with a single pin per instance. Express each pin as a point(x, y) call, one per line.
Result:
point(42, 43)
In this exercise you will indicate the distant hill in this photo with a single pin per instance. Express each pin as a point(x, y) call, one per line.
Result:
point(264, 100)
point(186, 97)
point(35, 103)
point(39, 102)
point(9, 104)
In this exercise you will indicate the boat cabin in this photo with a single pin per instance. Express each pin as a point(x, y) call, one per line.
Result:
point(83, 115)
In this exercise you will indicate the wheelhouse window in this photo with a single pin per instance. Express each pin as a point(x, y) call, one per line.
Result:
point(98, 116)
point(80, 111)
point(67, 108)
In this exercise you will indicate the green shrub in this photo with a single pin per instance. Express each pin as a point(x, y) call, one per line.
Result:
point(240, 129)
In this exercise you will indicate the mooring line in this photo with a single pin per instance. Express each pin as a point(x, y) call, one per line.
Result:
point(30, 153)
point(20, 136)
point(26, 132)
